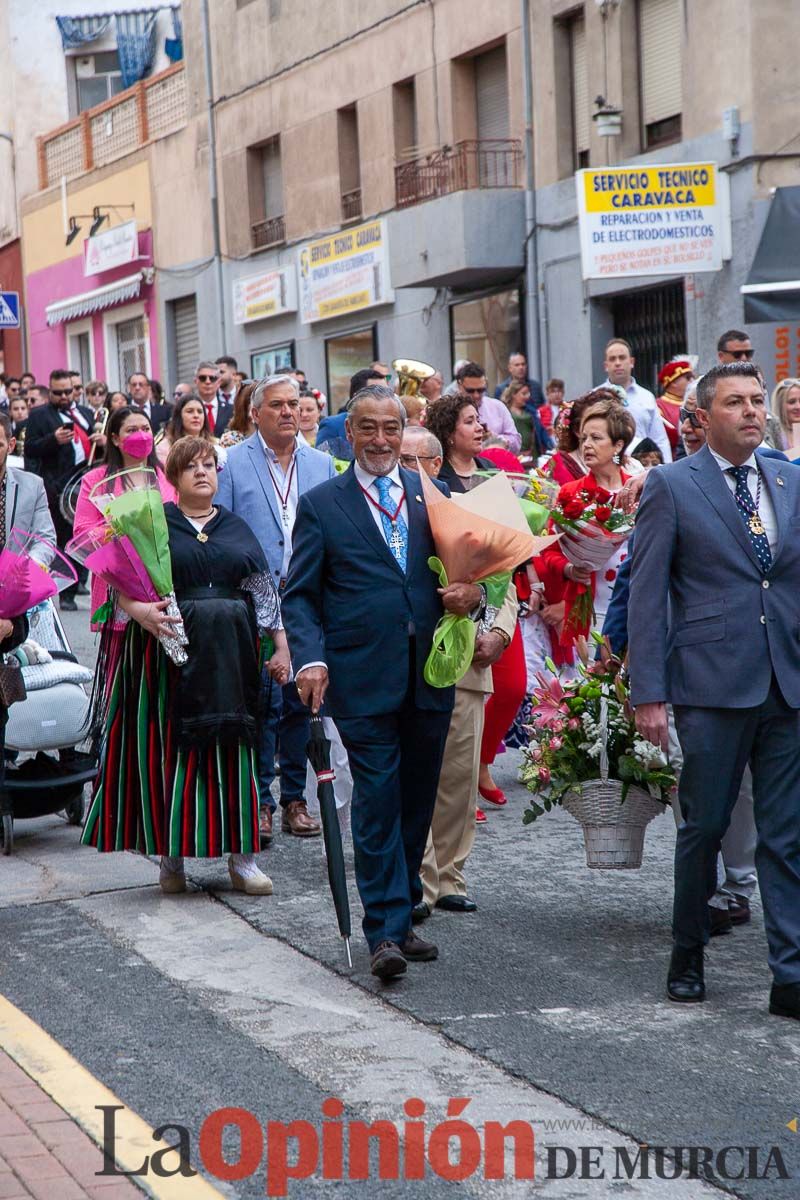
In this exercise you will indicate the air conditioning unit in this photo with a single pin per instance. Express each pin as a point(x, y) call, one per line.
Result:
point(84, 67)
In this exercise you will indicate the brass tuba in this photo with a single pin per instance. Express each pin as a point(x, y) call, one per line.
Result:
point(410, 374)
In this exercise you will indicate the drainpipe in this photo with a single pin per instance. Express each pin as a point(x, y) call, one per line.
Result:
point(532, 330)
point(212, 173)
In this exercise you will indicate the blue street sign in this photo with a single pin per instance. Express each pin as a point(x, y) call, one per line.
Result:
point(9, 310)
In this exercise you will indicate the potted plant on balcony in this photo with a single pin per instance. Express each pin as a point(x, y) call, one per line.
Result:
point(586, 754)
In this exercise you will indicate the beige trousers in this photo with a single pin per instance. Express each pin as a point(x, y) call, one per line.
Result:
point(452, 829)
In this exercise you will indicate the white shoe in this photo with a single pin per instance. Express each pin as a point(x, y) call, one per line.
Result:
point(171, 876)
point(247, 877)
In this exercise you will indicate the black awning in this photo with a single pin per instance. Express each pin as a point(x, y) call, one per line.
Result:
point(772, 291)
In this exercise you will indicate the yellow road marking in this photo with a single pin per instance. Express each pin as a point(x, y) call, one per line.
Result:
point(77, 1091)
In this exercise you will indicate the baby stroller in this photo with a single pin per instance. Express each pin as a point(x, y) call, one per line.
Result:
point(45, 770)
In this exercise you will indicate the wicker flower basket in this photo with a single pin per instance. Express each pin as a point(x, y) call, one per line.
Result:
point(613, 831)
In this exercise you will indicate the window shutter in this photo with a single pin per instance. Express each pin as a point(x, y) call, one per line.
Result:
point(660, 49)
point(580, 86)
point(273, 180)
point(187, 340)
point(491, 94)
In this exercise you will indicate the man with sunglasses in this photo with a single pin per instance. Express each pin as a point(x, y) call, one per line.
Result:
point(493, 414)
point(206, 384)
point(735, 346)
point(57, 440)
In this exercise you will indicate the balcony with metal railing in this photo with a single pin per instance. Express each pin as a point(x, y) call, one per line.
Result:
point(351, 205)
point(271, 232)
point(149, 110)
point(491, 163)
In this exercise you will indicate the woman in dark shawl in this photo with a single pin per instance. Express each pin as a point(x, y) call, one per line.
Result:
point(178, 774)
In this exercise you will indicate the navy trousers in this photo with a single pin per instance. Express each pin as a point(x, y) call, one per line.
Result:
point(717, 743)
point(395, 761)
point(285, 723)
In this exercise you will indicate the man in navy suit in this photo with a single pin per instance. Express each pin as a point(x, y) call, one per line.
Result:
point(263, 480)
point(360, 608)
point(713, 630)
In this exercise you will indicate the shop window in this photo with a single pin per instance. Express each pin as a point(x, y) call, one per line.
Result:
point(487, 331)
point(272, 362)
point(344, 355)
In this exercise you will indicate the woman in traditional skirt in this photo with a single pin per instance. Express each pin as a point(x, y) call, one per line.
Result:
point(178, 775)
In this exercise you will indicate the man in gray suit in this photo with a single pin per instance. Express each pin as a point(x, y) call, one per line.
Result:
point(24, 499)
point(263, 480)
point(716, 565)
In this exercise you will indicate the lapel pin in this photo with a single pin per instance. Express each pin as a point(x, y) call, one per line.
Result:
point(418, 499)
point(779, 480)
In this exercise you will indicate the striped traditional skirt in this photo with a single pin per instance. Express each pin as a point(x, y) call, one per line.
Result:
point(155, 796)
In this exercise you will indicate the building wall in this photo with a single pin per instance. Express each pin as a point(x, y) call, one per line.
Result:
point(11, 280)
point(34, 97)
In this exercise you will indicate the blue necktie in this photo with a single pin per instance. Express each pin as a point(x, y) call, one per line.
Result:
point(747, 508)
point(395, 532)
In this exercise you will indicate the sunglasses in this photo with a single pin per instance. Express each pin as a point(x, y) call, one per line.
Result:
point(56, 392)
point(481, 391)
point(738, 354)
point(208, 378)
point(690, 415)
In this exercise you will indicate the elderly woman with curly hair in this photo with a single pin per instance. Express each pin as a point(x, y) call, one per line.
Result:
point(178, 773)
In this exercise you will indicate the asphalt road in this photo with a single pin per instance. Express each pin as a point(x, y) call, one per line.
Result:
point(545, 1006)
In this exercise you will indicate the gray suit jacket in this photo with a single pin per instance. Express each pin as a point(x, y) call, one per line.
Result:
point(26, 504)
point(706, 627)
point(246, 489)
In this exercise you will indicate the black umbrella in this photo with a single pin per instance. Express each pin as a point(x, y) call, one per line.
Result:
point(318, 750)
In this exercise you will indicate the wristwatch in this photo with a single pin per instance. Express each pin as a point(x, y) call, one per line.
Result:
point(501, 633)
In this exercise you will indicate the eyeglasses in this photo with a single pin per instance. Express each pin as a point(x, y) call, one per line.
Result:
point(481, 391)
point(207, 378)
point(408, 460)
point(737, 354)
point(690, 415)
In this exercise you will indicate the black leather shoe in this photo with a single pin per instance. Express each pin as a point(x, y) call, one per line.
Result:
point(420, 912)
point(416, 949)
point(720, 919)
point(456, 904)
point(67, 604)
point(739, 909)
point(685, 983)
point(784, 1000)
point(388, 961)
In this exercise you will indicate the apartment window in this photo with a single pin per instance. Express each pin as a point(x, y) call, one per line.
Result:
point(349, 163)
point(660, 63)
point(97, 78)
point(579, 90)
point(404, 104)
point(265, 182)
point(80, 348)
point(491, 110)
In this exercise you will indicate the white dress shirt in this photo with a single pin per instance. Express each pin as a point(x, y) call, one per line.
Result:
point(280, 480)
point(765, 509)
point(644, 410)
point(396, 493)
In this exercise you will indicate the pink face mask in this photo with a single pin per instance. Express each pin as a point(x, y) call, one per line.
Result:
point(138, 444)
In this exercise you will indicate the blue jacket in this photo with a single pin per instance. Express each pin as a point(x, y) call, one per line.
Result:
point(332, 430)
point(706, 627)
point(246, 489)
point(348, 604)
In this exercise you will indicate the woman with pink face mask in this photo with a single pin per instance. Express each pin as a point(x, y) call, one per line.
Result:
point(129, 447)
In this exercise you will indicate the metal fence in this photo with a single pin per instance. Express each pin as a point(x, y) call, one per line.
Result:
point(268, 233)
point(492, 163)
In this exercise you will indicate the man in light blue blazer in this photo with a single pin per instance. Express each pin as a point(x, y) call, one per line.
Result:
point(713, 629)
point(263, 480)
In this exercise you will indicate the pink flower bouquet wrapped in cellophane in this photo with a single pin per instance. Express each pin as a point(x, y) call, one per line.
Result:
point(32, 569)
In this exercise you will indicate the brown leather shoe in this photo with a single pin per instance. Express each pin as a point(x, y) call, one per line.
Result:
point(739, 909)
point(295, 820)
point(416, 949)
point(265, 824)
point(388, 961)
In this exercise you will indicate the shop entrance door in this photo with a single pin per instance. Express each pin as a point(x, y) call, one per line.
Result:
point(654, 322)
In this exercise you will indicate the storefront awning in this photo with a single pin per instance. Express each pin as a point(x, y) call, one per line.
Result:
point(94, 301)
point(772, 291)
